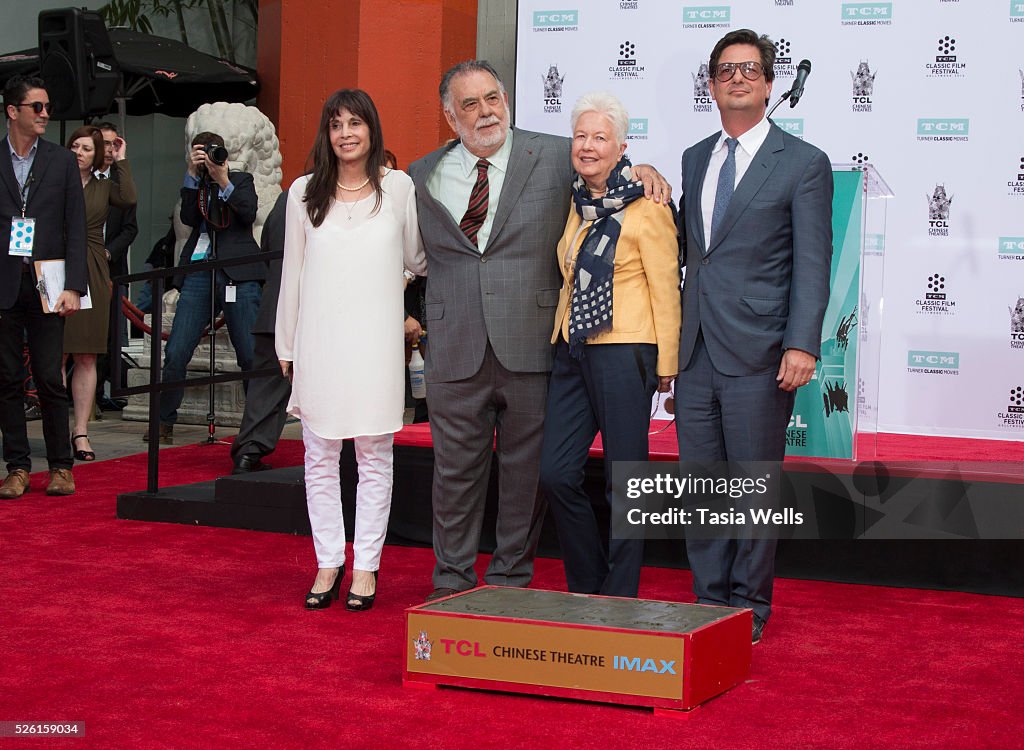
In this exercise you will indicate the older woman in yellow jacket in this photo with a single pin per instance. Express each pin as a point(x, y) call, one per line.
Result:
point(616, 337)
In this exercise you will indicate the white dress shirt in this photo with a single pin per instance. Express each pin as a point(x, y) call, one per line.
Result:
point(455, 175)
point(749, 143)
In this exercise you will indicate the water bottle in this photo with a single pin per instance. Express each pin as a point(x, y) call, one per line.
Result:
point(417, 381)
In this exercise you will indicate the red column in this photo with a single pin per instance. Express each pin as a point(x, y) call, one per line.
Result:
point(394, 49)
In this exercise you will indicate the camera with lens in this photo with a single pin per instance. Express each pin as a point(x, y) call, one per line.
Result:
point(216, 153)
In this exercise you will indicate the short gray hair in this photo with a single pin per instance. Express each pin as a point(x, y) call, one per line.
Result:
point(467, 66)
point(605, 104)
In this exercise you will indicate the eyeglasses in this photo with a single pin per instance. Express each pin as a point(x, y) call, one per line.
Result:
point(751, 70)
point(37, 107)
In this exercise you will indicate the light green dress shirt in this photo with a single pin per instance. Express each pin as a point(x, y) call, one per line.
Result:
point(454, 176)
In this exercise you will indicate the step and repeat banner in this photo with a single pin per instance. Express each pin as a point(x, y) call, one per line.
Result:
point(930, 92)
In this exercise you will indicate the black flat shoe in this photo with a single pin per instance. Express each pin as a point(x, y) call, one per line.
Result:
point(83, 455)
point(361, 602)
point(323, 599)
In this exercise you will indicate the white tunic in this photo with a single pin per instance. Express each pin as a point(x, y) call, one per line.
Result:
point(340, 313)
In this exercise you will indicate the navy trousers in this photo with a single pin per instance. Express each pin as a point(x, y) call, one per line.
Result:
point(731, 418)
point(610, 390)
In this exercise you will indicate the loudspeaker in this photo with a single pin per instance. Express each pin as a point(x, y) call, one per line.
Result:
point(77, 63)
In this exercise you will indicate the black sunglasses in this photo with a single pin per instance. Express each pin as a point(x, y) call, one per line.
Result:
point(37, 107)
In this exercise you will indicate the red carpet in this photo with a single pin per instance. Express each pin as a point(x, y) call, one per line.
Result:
point(178, 637)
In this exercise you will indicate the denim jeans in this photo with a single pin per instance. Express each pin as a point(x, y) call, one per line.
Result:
point(192, 316)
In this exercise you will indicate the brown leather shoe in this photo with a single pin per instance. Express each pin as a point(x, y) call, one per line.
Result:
point(61, 482)
point(166, 434)
point(15, 485)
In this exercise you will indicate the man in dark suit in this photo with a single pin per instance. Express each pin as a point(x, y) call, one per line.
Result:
point(492, 207)
point(757, 234)
point(119, 233)
point(220, 206)
point(267, 397)
point(41, 182)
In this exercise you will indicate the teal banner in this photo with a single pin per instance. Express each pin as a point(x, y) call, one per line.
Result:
point(823, 422)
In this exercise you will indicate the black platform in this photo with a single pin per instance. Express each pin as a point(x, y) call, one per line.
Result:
point(275, 501)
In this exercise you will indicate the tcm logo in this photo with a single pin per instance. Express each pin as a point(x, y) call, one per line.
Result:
point(1011, 245)
point(794, 126)
point(547, 18)
point(635, 664)
point(866, 11)
point(874, 243)
point(949, 126)
point(935, 360)
point(707, 14)
point(1017, 10)
point(462, 648)
point(638, 129)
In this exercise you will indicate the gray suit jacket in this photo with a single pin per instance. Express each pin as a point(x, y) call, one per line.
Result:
point(763, 284)
point(508, 294)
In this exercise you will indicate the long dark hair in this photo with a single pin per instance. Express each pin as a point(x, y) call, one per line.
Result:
point(322, 162)
point(90, 131)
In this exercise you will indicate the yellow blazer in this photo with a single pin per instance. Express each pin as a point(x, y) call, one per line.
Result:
point(645, 299)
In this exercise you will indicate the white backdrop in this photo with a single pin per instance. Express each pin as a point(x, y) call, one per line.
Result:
point(940, 106)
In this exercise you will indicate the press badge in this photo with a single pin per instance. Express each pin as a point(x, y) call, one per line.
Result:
point(202, 247)
point(23, 232)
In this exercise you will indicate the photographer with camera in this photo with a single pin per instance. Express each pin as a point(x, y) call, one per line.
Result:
point(220, 206)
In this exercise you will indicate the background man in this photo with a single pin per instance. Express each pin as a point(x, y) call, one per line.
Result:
point(119, 233)
point(266, 399)
point(40, 182)
point(221, 208)
point(492, 207)
point(757, 232)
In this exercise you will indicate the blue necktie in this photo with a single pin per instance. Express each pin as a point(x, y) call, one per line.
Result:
point(726, 185)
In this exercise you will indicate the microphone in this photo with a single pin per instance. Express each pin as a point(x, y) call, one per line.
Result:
point(797, 90)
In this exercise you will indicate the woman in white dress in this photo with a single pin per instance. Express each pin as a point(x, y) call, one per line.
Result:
point(350, 230)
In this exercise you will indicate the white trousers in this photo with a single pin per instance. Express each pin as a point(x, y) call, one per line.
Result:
point(375, 458)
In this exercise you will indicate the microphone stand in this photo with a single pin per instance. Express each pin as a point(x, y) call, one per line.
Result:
point(782, 98)
point(209, 189)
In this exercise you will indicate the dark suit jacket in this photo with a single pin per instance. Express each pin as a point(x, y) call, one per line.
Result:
point(272, 241)
point(508, 294)
point(235, 240)
point(57, 203)
point(121, 230)
point(763, 284)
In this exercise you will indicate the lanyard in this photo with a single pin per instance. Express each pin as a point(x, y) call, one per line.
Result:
point(24, 189)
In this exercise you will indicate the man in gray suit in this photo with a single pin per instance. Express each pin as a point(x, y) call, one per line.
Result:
point(757, 248)
point(492, 207)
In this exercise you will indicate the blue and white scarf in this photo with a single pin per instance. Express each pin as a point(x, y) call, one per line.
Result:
point(590, 312)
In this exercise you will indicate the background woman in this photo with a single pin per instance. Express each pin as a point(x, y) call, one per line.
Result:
point(616, 336)
point(85, 334)
point(350, 228)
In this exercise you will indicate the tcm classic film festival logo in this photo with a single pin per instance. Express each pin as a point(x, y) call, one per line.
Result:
point(784, 67)
point(1016, 185)
point(866, 14)
point(863, 87)
point(936, 299)
point(939, 203)
point(946, 64)
point(546, 21)
point(553, 81)
point(933, 363)
point(1014, 414)
point(627, 67)
point(707, 16)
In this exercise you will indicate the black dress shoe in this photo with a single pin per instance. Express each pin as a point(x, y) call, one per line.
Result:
point(440, 593)
point(322, 600)
point(362, 602)
point(111, 404)
point(247, 464)
point(757, 630)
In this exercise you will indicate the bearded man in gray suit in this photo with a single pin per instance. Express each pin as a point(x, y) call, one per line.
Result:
point(492, 207)
point(757, 244)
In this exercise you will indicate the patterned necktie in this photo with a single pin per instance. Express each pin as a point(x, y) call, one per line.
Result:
point(100, 176)
point(726, 185)
point(475, 214)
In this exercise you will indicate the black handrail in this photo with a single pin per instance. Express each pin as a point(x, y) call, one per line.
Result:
point(156, 277)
